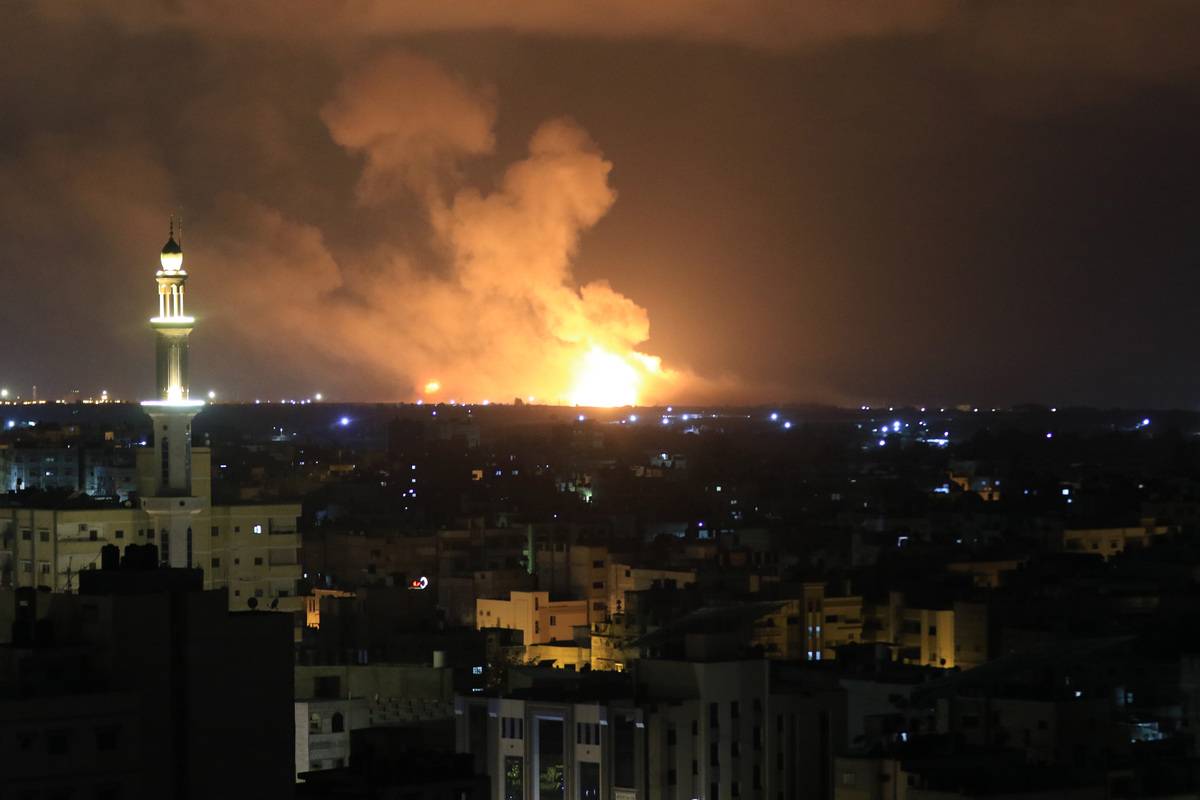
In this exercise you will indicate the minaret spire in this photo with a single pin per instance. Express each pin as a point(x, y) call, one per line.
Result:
point(170, 499)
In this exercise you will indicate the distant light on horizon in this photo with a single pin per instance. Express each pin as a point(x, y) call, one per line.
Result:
point(344, 421)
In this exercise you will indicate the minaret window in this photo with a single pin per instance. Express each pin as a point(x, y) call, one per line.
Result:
point(166, 461)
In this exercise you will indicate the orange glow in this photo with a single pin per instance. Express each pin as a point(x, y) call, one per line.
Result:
point(606, 379)
point(432, 387)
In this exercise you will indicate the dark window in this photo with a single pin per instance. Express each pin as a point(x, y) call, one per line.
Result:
point(258, 561)
point(512, 728)
point(107, 737)
point(714, 715)
point(44, 536)
point(551, 755)
point(119, 534)
point(714, 754)
point(624, 748)
point(733, 710)
point(589, 780)
point(671, 777)
point(337, 723)
point(671, 736)
point(514, 778)
point(597, 584)
point(597, 564)
point(216, 531)
point(58, 743)
point(216, 562)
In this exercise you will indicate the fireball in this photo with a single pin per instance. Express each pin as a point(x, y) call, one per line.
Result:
point(606, 379)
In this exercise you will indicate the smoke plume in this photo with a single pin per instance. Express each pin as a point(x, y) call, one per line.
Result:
point(503, 317)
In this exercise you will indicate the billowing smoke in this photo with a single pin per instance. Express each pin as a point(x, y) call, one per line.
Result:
point(504, 316)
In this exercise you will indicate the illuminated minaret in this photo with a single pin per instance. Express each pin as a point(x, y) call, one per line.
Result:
point(171, 503)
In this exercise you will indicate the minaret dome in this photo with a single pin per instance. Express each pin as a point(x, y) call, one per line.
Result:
point(171, 257)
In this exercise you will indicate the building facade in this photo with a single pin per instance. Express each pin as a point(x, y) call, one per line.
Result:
point(250, 550)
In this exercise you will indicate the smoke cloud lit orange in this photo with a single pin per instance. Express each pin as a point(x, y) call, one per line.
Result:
point(504, 317)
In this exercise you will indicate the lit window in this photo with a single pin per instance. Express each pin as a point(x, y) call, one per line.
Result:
point(258, 528)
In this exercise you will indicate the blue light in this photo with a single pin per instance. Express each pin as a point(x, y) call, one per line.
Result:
point(1145, 422)
point(774, 416)
point(787, 426)
point(344, 421)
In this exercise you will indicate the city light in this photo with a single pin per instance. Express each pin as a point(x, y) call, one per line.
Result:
point(344, 421)
point(318, 397)
point(212, 395)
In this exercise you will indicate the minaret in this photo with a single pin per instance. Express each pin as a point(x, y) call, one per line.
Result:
point(169, 499)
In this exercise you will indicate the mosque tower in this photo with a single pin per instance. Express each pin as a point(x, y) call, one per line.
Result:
point(169, 499)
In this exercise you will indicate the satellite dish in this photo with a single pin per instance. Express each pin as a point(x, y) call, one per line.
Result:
point(253, 603)
point(275, 603)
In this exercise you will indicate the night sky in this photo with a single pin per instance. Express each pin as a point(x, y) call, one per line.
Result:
point(927, 203)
